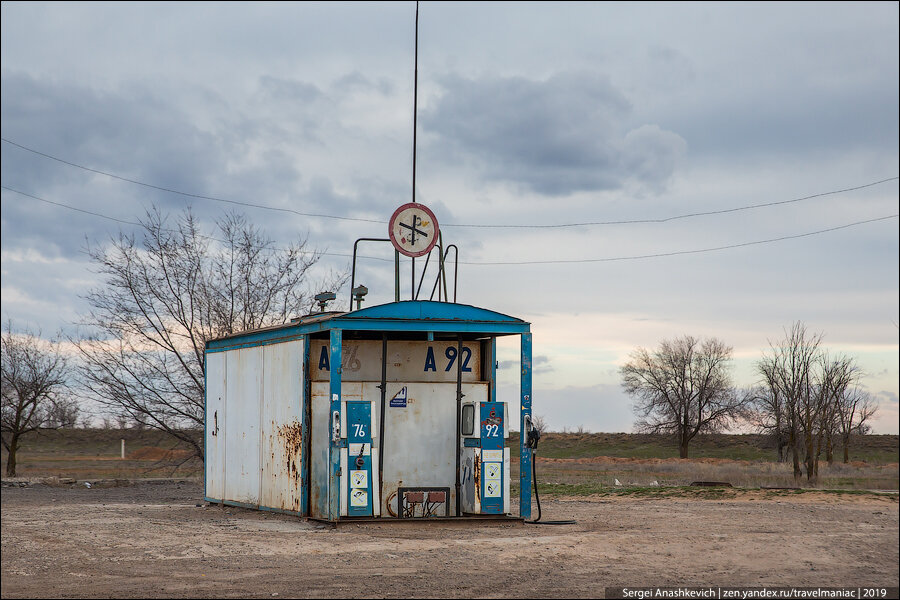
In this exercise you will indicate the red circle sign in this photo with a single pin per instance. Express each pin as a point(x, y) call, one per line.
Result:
point(413, 229)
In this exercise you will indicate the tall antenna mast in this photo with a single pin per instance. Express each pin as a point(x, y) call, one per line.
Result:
point(415, 103)
point(412, 289)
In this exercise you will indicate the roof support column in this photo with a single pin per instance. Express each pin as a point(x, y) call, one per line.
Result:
point(334, 483)
point(305, 414)
point(525, 456)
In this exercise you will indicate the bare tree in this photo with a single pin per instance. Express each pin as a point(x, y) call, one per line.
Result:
point(765, 412)
point(836, 375)
point(853, 408)
point(767, 407)
point(34, 373)
point(788, 372)
point(64, 413)
point(810, 395)
point(683, 388)
point(169, 293)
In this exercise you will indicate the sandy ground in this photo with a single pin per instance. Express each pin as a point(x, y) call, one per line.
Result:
point(161, 540)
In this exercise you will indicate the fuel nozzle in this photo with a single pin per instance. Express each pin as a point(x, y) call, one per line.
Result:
point(533, 434)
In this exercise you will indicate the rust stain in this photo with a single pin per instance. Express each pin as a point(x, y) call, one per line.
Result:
point(291, 436)
point(476, 475)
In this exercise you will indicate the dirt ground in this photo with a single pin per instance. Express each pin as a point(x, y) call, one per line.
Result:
point(159, 539)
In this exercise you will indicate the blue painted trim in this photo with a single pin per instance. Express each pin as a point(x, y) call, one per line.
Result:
point(305, 477)
point(205, 428)
point(493, 370)
point(334, 490)
point(418, 310)
point(525, 457)
point(482, 327)
point(253, 339)
point(418, 316)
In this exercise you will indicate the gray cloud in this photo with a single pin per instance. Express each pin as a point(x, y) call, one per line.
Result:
point(556, 136)
point(132, 132)
point(357, 82)
point(886, 397)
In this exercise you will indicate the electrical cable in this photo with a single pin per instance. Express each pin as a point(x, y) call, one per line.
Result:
point(200, 235)
point(467, 225)
point(680, 252)
point(188, 194)
point(529, 262)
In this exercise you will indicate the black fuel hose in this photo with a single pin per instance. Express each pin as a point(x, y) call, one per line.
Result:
point(537, 496)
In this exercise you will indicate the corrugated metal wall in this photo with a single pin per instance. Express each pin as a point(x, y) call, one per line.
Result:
point(254, 426)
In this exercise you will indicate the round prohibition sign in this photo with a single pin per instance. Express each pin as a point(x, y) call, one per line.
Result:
point(413, 229)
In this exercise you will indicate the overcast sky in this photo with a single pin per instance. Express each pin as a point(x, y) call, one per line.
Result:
point(624, 115)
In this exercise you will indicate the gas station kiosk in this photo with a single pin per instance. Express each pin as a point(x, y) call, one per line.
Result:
point(385, 412)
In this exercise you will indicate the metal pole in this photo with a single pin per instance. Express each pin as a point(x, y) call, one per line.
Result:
point(381, 418)
point(525, 453)
point(459, 397)
point(335, 479)
point(396, 276)
point(424, 270)
point(415, 105)
point(443, 272)
point(412, 291)
point(353, 270)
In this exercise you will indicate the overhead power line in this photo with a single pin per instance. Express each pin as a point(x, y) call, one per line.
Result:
point(139, 224)
point(678, 253)
point(685, 216)
point(470, 225)
point(525, 262)
point(188, 194)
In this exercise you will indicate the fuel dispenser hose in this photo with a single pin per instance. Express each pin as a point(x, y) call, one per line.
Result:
point(533, 438)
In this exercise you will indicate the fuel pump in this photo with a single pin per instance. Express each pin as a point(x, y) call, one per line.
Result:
point(484, 458)
point(359, 459)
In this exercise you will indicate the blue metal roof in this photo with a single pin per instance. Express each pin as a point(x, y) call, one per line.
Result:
point(420, 310)
point(411, 315)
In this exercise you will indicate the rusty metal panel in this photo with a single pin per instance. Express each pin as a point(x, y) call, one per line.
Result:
point(215, 420)
point(419, 437)
point(470, 478)
point(320, 436)
point(281, 484)
point(407, 361)
point(243, 387)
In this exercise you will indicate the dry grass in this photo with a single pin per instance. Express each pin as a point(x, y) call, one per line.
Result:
point(745, 474)
point(594, 460)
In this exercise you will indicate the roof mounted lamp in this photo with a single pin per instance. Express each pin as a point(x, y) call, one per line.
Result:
point(324, 298)
point(359, 293)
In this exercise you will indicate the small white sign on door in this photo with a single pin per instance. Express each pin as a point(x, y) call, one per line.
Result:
point(359, 479)
point(359, 498)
